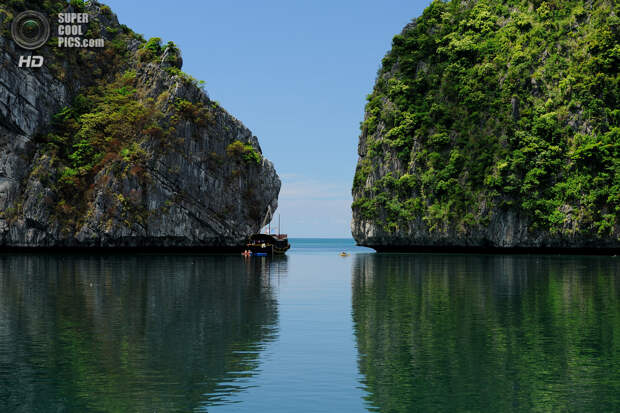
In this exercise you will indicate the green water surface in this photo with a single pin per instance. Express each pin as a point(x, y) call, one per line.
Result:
point(309, 332)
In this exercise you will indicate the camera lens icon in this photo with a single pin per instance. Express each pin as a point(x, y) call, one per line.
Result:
point(30, 29)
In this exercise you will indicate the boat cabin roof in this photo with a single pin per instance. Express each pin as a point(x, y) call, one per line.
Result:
point(263, 238)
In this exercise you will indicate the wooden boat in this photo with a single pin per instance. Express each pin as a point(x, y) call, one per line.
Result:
point(268, 243)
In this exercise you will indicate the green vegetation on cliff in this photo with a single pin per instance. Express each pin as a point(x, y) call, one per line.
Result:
point(106, 125)
point(486, 105)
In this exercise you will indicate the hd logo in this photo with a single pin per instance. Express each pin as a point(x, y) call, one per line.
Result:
point(30, 30)
point(30, 61)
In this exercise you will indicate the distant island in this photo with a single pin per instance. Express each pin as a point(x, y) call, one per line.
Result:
point(494, 124)
point(117, 147)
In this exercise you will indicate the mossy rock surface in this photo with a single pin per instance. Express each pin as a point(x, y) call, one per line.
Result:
point(495, 123)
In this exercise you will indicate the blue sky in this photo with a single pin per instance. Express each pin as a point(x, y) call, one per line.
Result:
point(297, 74)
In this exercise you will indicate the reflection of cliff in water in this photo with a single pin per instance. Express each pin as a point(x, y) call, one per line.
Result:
point(121, 333)
point(488, 333)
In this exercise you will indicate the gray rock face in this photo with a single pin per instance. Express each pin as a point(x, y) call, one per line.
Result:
point(193, 194)
point(506, 230)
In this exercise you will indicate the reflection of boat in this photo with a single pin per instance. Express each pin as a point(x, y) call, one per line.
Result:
point(268, 243)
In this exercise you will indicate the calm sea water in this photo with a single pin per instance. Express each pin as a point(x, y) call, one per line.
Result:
point(309, 332)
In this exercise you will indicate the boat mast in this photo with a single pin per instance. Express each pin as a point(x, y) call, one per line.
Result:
point(278, 224)
point(268, 216)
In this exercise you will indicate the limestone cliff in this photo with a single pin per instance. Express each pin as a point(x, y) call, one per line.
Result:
point(116, 147)
point(494, 124)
